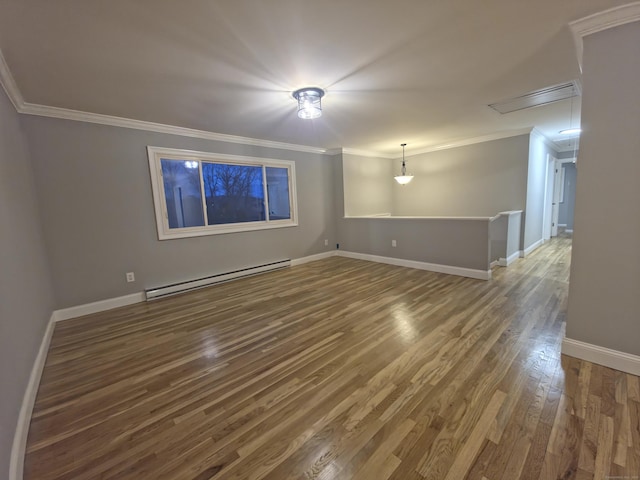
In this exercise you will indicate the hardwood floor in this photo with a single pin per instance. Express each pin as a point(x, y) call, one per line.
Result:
point(337, 369)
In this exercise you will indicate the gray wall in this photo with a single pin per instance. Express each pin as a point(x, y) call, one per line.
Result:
point(461, 243)
point(498, 237)
point(26, 294)
point(367, 185)
point(513, 233)
point(504, 234)
point(567, 206)
point(98, 215)
point(604, 305)
point(535, 190)
point(474, 180)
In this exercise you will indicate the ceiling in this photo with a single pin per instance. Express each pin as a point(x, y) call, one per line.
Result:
point(414, 71)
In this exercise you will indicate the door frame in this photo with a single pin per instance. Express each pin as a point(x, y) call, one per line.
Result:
point(547, 212)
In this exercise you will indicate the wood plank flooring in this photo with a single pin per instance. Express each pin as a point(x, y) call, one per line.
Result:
point(337, 369)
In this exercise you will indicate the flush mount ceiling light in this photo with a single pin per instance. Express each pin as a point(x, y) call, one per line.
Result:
point(404, 178)
point(309, 103)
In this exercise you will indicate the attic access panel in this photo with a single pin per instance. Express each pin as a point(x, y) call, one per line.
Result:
point(537, 98)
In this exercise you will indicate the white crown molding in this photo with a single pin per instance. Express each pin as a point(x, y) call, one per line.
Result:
point(444, 146)
point(598, 22)
point(9, 85)
point(333, 151)
point(76, 115)
point(367, 153)
point(546, 140)
point(472, 141)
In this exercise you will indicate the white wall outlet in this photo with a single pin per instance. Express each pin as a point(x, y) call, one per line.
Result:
point(326, 242)
point(131, 277)
point(394, 243)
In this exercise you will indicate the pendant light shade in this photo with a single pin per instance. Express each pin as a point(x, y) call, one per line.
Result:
point(403, 179)
point(309, 102)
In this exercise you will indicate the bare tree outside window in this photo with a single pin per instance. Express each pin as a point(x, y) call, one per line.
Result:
point(233, 193)
point(201, 193)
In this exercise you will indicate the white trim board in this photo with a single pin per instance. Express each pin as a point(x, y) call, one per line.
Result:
point(26, 108)
point(505, 262)
point(432, 267)
point(76, 115)
point(9, 85)
point(312, 258)
point(16, 462)
point(99, 306)
point(531, 248)
point(625, 362)
point(139, 297)
point(598, 22)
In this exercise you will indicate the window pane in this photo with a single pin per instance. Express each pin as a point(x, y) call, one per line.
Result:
point(278, 191)
point(182, 193)
point(234, 193)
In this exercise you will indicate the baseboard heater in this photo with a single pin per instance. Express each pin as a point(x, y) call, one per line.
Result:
point(175, 288)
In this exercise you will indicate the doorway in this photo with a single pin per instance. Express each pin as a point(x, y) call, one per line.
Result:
point(559, 198)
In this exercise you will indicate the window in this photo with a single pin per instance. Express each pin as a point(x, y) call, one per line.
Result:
point(197, 193)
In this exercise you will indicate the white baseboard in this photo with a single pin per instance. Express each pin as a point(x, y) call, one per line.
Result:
point(108, 304)
point(625, 362)
point(95, 307)
point(569, 230)
point(505, 262)
point(313, 258)
point(530, 248)
point(16, 463)
point(494, 263)
point(432, 267)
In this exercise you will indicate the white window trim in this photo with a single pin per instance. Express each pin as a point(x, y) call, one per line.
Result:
point(157, 185)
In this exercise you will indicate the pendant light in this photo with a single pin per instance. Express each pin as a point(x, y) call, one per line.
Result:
point(404, 178)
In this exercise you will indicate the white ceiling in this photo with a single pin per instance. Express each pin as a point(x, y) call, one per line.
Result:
point(414, 71)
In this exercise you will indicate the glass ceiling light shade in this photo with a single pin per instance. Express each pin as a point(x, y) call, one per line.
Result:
point(309, 102)
point(404, 178)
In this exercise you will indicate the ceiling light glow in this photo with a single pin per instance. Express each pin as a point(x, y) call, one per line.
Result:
point(309, 102)
point(570, 131)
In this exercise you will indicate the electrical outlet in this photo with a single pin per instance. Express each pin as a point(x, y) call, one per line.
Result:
point(394, 243)
point(131, 277)
point(326, 242)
